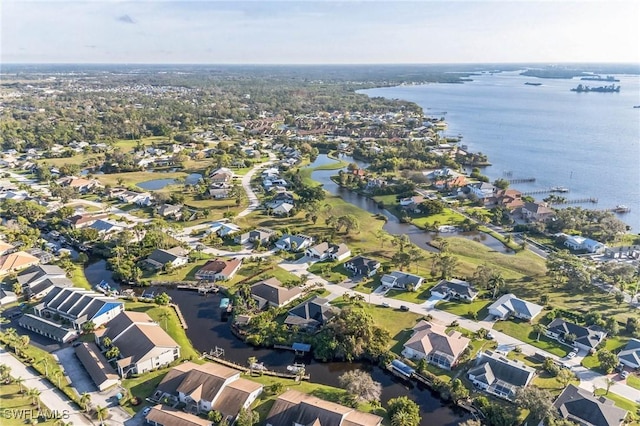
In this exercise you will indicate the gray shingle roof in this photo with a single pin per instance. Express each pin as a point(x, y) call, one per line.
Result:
point(581, 406)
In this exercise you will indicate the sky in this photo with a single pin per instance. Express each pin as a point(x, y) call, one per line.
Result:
point(319, 31)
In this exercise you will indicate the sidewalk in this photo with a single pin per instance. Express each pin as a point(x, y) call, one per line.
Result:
point(50, 396)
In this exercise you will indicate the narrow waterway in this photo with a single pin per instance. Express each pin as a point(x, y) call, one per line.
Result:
point(393, 226)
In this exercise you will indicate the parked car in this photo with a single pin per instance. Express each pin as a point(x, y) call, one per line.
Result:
point(624, 374)
point(385, 305)
point(146, 411)
point(404, 308)
point(571, 355)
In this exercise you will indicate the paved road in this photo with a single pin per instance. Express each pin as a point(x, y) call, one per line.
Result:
point(254, 203)
point(51, 397)
point(588, 378)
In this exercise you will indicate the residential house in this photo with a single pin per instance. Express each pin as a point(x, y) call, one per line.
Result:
point(81, 184)
point(77, 306)
point(281, 208)
point(294, 408)
point(170, 210)
point(44, 256)
point(7, 296)
point(630, 355)
point(412, 203)
point(107, 228)
point(361, 265)
point(263, 235)
point(48, 328)
point(143, 199)
point(143, 344)
point(434, 344)
point(536, 212)
point(581, 407)
point(294, 242)
point(16, 261)
point(165, 415)
point(508, 305)
point(97, 366)
point(223, 228)
point(218, 269)
point(79, 221)
point(509, 198)
point(207, 387)
point(500, 376)
point(324, 251)
point(454, 289)
point(176, 257)
point(5, 247)
point(37, 281)
point(483, 190)
point(578, 243)
point(220, 193)
point(222, 175)
point(587, 338)
point(312, 314)
point(270, 292)
point(401, 280)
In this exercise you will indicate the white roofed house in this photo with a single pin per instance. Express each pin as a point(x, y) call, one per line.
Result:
point(401, 280)
point(324, 251)
point(483, 190)
point(434, 344)
point(294, 242)
point(576, 242)
point(508, 305)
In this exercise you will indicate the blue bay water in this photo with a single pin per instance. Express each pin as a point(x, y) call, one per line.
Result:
point(587, 142)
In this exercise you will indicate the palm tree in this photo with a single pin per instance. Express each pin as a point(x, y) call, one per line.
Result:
point(4, 371)
point(106, 342)
point(57, 375)
point(538, 329)
point(85, 400)
point(45, 361)
point(251, 361)
point(164, 316)
point(19, 381)
point(34, 394)
point(608, 383)
point(113, 352)
point(101, 413)
point(497, 282)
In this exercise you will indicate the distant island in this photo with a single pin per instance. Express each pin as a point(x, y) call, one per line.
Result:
point(609, 78)
point(532, 84)
point(602, 89)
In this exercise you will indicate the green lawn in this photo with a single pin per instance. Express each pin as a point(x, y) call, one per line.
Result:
point(634, 381)
point(461, 308)
point(523, 331)
point(78, 278)
point(336, 271)
point(142, 387)
point(172, 326)
point(16, 408)
point(184, 273)
point(133, 178)
point(612, 344)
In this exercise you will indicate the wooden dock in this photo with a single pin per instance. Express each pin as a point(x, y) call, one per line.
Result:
point(244, 369)
point(176, 308)
point(592, 200)
point(521, 180)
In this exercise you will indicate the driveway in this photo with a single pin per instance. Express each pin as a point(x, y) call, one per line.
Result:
point(431, 302)
point(82, 382)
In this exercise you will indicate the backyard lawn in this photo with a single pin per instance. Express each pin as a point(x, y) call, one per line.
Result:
point(142, 387)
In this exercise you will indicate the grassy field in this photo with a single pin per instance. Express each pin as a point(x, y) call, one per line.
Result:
point(460, 308)
point(612, 344)
point(171, 325)
point(634, 381)
point(78, 278)
point(523, 331)
point(142, 387)
point(16, 408)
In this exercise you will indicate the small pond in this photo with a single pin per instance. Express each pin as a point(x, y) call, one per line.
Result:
point(157, 184)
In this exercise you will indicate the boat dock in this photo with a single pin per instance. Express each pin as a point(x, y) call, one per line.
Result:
point(521, 180)
point(592, 200)
point(546, 191)
point(212, 357)
point(176, 308)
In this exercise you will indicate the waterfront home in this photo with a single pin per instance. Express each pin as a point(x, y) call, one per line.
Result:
point(263, 235)
point(106, 228)
point(312, 314)
point(500, 376)
point(294, 242)
point(206, 387)
point(165, 415)
point(509, 198)
point(578, 243)
point(143, 344)
point(37, 281)
point(16, 261)
point(362, 266)
point(434, 344)
point(586, 338)
point(219, 269)
point(270, 292)
point(401, 281)
point(175, 257)
point(220, 193)
point(297, 408)
point(536, 212)
point(483, 190)
point(581, 407)
point(324, 251)
point(221, 175)
point(508, 305)
point(94, 362)
point(454, 289)
point(630, 355)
